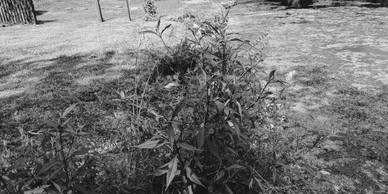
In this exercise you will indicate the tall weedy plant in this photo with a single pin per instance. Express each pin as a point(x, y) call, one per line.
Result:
point(204, 123)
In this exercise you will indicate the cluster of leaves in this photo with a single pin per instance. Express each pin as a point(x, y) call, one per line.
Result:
point(59, 158)
point(47, 159)
point(150, 10)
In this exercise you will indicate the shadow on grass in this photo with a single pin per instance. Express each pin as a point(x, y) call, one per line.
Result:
point(38, 22)
point(48, 87)
point(40, 12)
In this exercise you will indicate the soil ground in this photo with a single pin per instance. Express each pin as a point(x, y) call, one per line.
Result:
point(337, 58)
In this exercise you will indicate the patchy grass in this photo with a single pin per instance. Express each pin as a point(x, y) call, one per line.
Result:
point(353, 123)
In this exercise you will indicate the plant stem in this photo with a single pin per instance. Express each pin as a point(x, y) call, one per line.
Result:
point(64, 158)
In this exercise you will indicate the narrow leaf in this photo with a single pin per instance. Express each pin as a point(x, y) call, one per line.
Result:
point(165, 28)
point(271, 75)
point(232, 33)
point(57, 187)
point(170, 85)
point(239, 109)
point(51, 123)
point(192, 100)
point(250, 184)
point(171, 136)
point(213, 148)
point(188, 147)
point(236, 125)
point(273, 175)
point(122, 94)
point(149, 144)
point(68, 110)
point(210, 56)
point(159, 109)
point(178, 108)
point(172, 168)
point(201, 137)
point(228, 189)
point(232, 151)
point(220, 174)
point(54, 174)
point(259, 183)
point(147, 32)
point(158, 172)
point(37, 190)
point(48, 166)
point(197, 160)
point(80, 152)
point(236, 39)
point(157, 26)
point(235, 166)
point(193, 177)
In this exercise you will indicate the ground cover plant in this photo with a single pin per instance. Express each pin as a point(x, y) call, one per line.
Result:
point(198, 115)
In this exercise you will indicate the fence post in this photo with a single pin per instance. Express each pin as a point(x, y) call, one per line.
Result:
point(99, 10)
point(129, 11)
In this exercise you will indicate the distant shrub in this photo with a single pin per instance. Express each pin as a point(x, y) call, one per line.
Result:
point(296, 3)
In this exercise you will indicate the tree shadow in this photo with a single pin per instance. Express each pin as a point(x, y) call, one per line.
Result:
point(264, 4)
point(44, 21)
point(354, 3)
point(40, 12)
point(30, 90)
point(60, 72)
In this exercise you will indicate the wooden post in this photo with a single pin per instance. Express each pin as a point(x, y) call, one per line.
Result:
point(129, 11)
point(99, 10)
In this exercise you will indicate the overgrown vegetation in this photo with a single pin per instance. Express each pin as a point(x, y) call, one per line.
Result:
point(196, 117)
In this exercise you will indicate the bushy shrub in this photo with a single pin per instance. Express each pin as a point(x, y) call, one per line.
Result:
point(210, 114)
